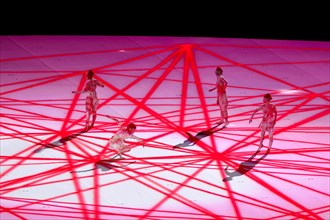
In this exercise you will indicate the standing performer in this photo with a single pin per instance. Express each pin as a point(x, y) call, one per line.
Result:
point(268, 120)
point(222, 100)
point(91, 98)
point(117, 142)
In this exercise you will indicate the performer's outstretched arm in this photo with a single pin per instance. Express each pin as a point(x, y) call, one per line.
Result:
point(113, 118)
point(255, 111)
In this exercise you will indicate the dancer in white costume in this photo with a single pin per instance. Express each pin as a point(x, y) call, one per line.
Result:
point(117, 142)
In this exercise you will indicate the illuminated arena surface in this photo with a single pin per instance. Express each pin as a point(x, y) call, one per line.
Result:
point(162, 85)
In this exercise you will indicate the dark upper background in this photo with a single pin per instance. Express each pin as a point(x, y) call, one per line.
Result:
point(269, 21)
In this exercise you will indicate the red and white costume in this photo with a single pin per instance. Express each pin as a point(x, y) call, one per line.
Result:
point(91, 99)
point(269, 117)
point(222, 95)
point(117, 142)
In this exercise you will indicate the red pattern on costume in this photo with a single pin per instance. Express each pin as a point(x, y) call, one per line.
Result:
point(91, 99)
point(269, 117)
point(221, 88)
point(117, 142)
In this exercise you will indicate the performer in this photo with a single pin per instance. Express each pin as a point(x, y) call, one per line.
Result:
point(117, 142)
point(222, 100)
point(268, 119)
point(91, 98)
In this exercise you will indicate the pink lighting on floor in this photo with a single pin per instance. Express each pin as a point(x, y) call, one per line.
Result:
point(51, 170)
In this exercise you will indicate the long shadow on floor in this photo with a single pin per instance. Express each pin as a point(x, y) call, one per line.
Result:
point(105, 165)
point(60, 142)
point(245, 166)
point(192, 140)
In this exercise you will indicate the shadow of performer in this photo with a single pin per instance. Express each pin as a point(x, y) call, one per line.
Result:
point(60, 142)
point(245, 166)
point(192, 140)
point(104, 165)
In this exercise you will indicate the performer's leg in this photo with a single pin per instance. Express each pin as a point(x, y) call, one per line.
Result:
point(93, 120)
point(225, 114)
point(88, 115)
point(123, 149)
point(262, 137)
point(270, 139)
point(223, 104)
point(88, 112)
point(221, 114)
